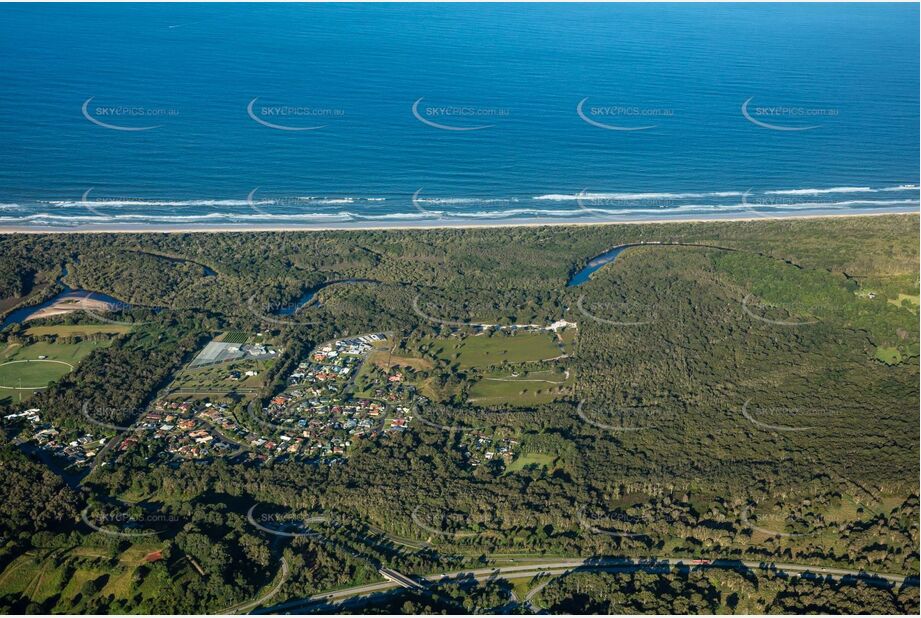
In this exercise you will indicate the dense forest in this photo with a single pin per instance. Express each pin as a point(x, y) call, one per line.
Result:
point(748, 391)
point(718, 592)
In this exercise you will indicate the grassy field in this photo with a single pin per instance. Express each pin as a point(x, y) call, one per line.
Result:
point(42, 575)
point(521, 586)
point(60, 359)
point(217, 377)
point(69, 352)
point(385, 360)
point(64, 330)
point(28, 374)
point(481, 351)
point(910, 301)
point(529, 459)
point(519, 389)
point(568, 336)
point(889, 355)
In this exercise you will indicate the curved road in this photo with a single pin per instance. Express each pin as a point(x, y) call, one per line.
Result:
point(561, 567)
point(247, 605)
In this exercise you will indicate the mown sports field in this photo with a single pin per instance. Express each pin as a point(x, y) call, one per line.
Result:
point(27, 368)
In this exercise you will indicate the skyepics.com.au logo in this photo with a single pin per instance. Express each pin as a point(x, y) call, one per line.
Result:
point(293, 117)
point(620, 117)
point(104, 416)
point(787, 418)
point(618, 418)
point(126, 117)
point(94, 306)
point(452, 117)
point(132, 522)
point(284, 524)
point(430, 310)
point(431, 418)
point(306, 308)
point(618, 523)
point(418, 201)
point(286, 418)
point(774, 524)
point(768, 313)
point(315, 209)
point(628, 204)
point(614, 313)
point(786, 118)
point(98, 307)
point(442, 523)
point(282, 313)
point(768, 205)
point(444, 207)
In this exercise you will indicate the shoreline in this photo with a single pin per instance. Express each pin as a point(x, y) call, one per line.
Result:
point(68, 305)
point(405, 226)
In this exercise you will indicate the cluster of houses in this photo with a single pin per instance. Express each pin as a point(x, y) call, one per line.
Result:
point(196, 430)
point(77, 451)
point(186, 428)
point(479, 447)
point(316, 417)
point(334, 361)
point(319, 410)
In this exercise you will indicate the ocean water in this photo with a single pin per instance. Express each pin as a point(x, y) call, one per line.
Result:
point(289, 115)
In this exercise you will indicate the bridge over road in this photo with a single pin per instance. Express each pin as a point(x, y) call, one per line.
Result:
point(400, 579)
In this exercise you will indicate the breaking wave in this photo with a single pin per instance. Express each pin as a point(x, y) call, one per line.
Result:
point(841, 190)
point(320, 210)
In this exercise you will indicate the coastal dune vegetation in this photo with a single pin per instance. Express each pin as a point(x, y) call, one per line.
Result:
point(750, 397)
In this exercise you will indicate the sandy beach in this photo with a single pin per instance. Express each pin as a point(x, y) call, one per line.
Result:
point(69, 305)
point(432, 225)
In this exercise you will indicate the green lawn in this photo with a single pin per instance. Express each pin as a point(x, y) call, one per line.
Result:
point(30, 374)
point(78, 329)
point(527, 459)
point(40, 575)
point(35, 372)
point(69, 352)
point(522, 389)
point(217, 377)
point(481, 351)
point(889, 355)
point(902, 300)
point(19, 574)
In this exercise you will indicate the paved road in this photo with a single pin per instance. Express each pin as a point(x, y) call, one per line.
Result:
point(563, 566)
point(242, 607)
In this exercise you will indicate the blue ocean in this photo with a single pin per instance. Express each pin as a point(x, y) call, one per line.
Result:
point(146, 116)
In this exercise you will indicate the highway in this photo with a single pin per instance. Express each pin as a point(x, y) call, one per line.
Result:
point(400, 579)
point(560, 567)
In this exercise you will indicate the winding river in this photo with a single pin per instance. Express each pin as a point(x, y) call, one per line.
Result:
point(600, 260)
point(610, 255)
point(68, 296)
point(308, 296)
point(75, 297)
